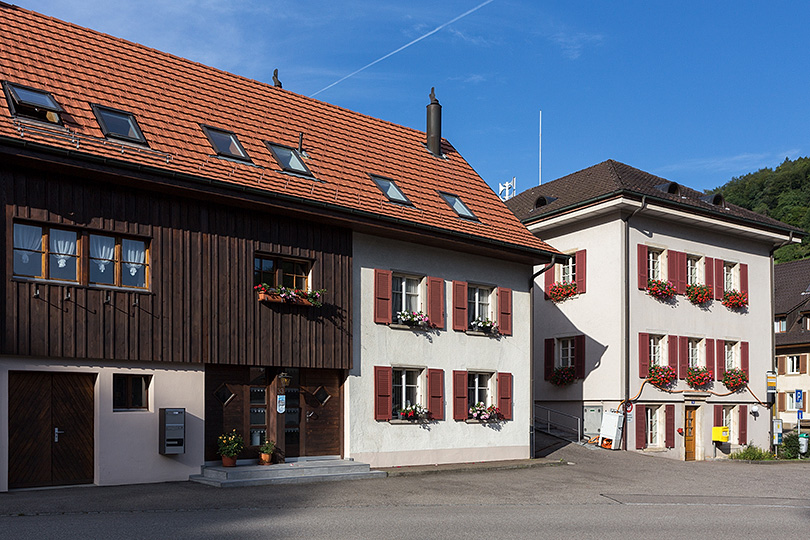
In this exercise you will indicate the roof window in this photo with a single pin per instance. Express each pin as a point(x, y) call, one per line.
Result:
point(33, 103)
point(117, 124)
point(673, 188)
point(543, 200)
point(715, 199)
point(391, 190)
point(289, 159)
point(456, 204)
point(225, 143)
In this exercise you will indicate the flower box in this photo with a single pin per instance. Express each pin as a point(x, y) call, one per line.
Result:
point(735, 299)
point(663, 290)
point(481, 413)
point(266, 293)
point(699, 294)
point(699, 378)
point(270, 297)
point(735, 379)
point(662, 376)
point(561, 291)
point(562, 376)
point(484, 325)
point(413, 318)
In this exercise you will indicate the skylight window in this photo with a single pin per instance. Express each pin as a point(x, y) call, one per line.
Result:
point(33, 103)
point(289, 159)
point(455, 203)
point(118, 124)
point(225, 143)
point(391, 190)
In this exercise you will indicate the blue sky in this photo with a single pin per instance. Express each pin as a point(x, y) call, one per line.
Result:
point(696, 92)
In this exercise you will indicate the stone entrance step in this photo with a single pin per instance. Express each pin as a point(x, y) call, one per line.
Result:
point(295, 472)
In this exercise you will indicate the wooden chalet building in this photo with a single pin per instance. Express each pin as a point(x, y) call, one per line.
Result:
point(145, 196)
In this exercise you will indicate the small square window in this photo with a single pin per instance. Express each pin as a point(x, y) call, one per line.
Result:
point(456, 204)
point(33, 103)
point(391, 190)
point(118, 124)
point(225, 143)
point(289, 159)
point(780, 325)
point(131, 391)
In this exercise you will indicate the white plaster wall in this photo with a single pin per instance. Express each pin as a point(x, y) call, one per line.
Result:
point(126, 442)
point(389, 444)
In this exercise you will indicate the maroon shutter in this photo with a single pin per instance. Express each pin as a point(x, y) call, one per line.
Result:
point(505, 395)
point(581, 269)
point(682, 271)
point(720, 359)
point(643, 355)
point(642, 267)
point(743, 425)
point(718, 415)
point(744, 358)
point(669, 437)
point(802, 364)
point(708, 271)
point(673, 259)
point(804, 402)
point(382, 392)
point(460, 306)
point(436, 393)
point(744, 278)
point(579, 357)
point(672, 357)
point(549, 277)
point(435, 297)
point(719, 282)
point(710, 356)
point(781, 401)
point(641, 427)
point(505, 311)
point(548, 366)
point(683, 357)
point(382, 296)
point(781, 365)
point(460, 408)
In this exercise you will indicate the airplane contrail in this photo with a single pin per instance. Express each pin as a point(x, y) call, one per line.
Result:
point(392, 53)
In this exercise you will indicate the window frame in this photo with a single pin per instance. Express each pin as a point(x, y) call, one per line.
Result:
point(418, 387)
point(568, 270)
point(278, 271)
point(27, 109)
point(377, 179)
point(731, 356)
point(452, 200)
point(477, 303)
point(129, 377)
point(780, 325)
point(99, 110)
point(567, 354)
point(208, 130)
point(118, 261)
point(730, 276)
point(694, 356)
point(654, 264)
point(45, 253)
point(693, 270)
point(477, 387)
point(792, 361)
point(401, 304)
point(656, 350)
point(274, 147)
point(652, 428)
point(790, 401)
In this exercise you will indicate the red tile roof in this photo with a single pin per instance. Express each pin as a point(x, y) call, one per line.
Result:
point(172, 96)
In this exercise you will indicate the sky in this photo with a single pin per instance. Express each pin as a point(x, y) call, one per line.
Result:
point(695, 92)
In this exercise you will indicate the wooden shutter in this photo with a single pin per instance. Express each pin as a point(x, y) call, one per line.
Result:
point(781, 365)
point(581, 268)
point(435, 403)
point(549, 281)
point(720, 359)
point(641, 427)
point(719, 281)
point(460, 408)
point(642, 267)
point(718, 415)
point(710, 356)
point(643, 355)
point(669, 437)
point(435, 301)
point(382, 296)
point(780, 401)
point(803, 363)
point(743, 425)
point(382, 392)
point(672, 356)
point(505, 395)
point(708, 271)
point(744, 278)
point(681, 286)
point(460, 306)
point(744, 358)
point(579, 357)
point(505, 311)
point(548, 361)
point(673, 267)
point(683, 356)
point(804, 401)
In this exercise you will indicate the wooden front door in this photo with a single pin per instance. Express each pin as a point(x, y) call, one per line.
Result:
point(313, 417)
point(50, 428)
point(689, 433)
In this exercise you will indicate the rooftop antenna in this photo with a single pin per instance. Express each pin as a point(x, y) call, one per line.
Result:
point(507, 191)
point(540, 151)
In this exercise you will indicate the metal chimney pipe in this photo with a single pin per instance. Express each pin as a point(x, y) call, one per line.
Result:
point(434, 124)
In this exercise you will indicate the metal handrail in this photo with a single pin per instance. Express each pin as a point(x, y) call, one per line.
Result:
point(557, 424)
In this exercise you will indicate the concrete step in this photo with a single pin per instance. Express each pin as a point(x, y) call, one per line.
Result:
point(286, 473)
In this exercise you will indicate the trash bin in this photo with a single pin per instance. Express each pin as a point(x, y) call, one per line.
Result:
point(803, 443)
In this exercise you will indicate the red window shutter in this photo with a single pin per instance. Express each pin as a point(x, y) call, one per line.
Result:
point(642, 267)
point(719, 281)
point(744, 358)
point(781, 365)
point(460, 306)
point(718, 415)
point(720, 359)
point(549, 277)
point(669, 436)
point(673, 273)
point(460, 407)
point(710, 356)
point(780, 403)
point(744, 278)
point(804, 402)
point(672, 357)
point(581, 269)
point(382, 392)
point(743, 425)
point(683, 357)
point(435, 301)
point(802, 363)
point(579, 357)
point(641, 427)
point(548, 365)
point(682, 274)
point(436, 393)
point(382, 296)
point(643, 355)
point(505, 311)
point(505, 395)
point(708, 271)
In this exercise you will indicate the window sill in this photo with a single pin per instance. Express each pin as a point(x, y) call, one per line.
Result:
point(474, 421)
point(484, 334)
point(401, 422)
point(655, 449)
point(416, 328)
point(77, 285)
point(140, 410)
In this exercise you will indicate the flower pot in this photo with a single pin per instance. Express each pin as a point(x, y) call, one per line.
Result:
point(229, 461)
point(265, 459)
point(270, 297)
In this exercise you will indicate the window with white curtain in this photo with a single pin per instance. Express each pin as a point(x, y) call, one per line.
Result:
point(117, 261)
point(45, 252)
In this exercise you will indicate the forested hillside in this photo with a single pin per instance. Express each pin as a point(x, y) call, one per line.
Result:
point(782, 193)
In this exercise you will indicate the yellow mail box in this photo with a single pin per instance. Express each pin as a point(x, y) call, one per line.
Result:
point(720, 434)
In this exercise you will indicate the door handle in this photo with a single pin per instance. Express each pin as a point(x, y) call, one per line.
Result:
point(56, 432)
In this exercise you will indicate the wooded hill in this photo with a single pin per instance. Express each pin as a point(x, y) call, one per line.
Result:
point(782, 193)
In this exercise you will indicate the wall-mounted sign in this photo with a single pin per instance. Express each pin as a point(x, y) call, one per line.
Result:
point(281, 404)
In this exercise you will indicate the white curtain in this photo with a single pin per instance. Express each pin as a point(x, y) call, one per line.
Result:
point(63, 246)
point(102, 249)
point(28, 238)
point(135, 255)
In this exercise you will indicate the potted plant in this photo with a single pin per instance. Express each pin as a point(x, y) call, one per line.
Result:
point(735, 379)
point(662, 376)
point(663, 290)
point(267, 293)
point(559, 292)
point(413, 412)
point(482, 413)
point(699, 294)
point(562, 376)
point(412, 318)
point(483, 324)
point(735, 299)
point(699, 378)
point(229, 445)
point(266, 451)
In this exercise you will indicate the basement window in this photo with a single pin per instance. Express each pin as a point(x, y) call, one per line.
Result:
point(225, 143)
point(391, 190)
point(33, 103)
point(116, 124)
point(289, 159)
point(456, 204)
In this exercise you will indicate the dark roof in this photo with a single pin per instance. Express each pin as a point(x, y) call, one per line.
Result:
point(790, 280)
point(172, 97)
point(611, 178)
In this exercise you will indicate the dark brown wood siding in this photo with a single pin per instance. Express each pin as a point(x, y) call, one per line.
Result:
point(200, 306)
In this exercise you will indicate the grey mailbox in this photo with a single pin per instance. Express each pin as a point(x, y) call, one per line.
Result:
point(172, 431)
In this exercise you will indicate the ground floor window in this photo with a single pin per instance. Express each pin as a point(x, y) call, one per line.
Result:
point(653, 438)
point(130, 391)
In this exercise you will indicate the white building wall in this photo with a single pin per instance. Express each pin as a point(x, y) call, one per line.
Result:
point(382, 443)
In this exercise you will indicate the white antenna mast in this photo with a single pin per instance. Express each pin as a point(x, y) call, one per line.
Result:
point(540, 151)
point(507, 191)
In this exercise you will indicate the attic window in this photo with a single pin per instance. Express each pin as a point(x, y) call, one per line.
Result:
point(225, 143)
point(33, 103)
point(289, 159)
point(391, 190)
point(543, 200)
point(716, 199)
point(455, 203)
point(673, 188)
point(117, 124)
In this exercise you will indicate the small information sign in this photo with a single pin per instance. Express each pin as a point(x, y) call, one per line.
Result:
point(800, 414)
point(281, 404)
point(798, 397)
point(771, 380)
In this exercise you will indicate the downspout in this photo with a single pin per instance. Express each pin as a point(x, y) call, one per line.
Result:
point(627, 315)
point(773, 338)
point(543, 270)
